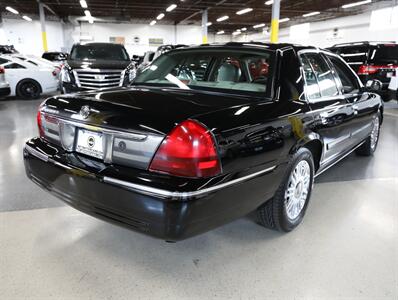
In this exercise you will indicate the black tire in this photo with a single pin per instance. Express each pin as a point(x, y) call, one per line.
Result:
point(273, 214)
point(28, 89)
point(369, 147)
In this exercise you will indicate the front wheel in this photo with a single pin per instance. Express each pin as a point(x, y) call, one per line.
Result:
point(286, 209)
point(370, 145)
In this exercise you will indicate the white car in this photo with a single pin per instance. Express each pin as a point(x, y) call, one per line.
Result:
point(29, 80)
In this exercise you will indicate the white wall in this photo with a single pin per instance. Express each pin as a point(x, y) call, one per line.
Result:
point(101, 32)
point(350, 29)
point(26, 36)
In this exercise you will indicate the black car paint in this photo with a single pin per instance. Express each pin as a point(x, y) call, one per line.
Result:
point(254, 146)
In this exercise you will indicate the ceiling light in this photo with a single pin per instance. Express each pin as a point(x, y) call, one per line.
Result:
point(27, 18)
point(236, 33)
point(311, 14)
point(83, 3)
point(222, 18)
point(243, 29)
point(87, 13)
point(284, 20)
point(161, 16)
point(152, 23)
point(259, 25)
point(356, 3)
point(209, 24)
point(244, 11)
point(270, 2)
point(10, 9)
point(221, 32)
point(171, 7)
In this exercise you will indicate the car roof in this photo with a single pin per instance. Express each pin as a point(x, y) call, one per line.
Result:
point(98, 44)
point(365, 43)
point(248, 45)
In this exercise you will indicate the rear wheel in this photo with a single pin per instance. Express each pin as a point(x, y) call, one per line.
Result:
point(370, 145)
point(286, 209)
point(28, 89)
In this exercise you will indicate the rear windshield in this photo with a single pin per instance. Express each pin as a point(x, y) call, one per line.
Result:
point(99, 51)
point(353, 54)
point(387, 54)
point(229, 71)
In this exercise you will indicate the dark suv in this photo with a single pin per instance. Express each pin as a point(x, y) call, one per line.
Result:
point(371, 61)
point(95, 66)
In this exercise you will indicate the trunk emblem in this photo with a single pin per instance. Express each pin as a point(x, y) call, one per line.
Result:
point(85, 111)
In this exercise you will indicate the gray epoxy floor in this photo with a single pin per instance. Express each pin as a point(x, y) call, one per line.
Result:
point(347, 247)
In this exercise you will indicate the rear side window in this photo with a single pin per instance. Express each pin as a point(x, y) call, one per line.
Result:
point(312, 87)
point(347, 78)
point(14, 66)
point(323, 75)
point(3, 61)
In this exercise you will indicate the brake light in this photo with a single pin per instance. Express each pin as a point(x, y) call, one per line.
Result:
point(367, 70)
point(40, 124)
point(188, 151)
point(373, 69)
point(2, 70)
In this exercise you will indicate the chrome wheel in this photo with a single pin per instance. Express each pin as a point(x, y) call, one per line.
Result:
point(297, 190)
point(374, 136)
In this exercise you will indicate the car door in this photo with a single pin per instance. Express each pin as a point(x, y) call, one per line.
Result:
point(333, 114)
point(363, 103)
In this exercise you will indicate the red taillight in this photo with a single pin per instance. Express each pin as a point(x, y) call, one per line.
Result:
point(367, 70)
point(188, 151)
point(373, 69)
point(39, 124)
point(2, 70)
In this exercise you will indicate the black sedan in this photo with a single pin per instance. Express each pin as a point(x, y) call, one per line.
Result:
point(205, 135)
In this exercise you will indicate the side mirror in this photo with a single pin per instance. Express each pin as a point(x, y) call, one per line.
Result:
point(374, 85)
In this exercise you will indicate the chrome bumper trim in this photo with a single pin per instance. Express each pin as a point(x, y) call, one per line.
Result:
point(182, 195)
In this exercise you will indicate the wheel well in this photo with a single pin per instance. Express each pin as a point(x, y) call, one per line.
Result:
point(30, 79)
point(315, 146)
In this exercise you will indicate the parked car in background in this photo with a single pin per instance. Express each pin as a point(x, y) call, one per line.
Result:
point(28, 80)
point(4, 86)
point(206, 135)
point(58, 57)
point(371, 61)
point(96, 66)
point(38, 61)
point(7, 49)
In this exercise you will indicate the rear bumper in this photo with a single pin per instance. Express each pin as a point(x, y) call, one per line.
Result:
point(5, 91)
point(171, 216)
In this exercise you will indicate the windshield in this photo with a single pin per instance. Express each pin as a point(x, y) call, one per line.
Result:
point(99, 51)
point(225, 70)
